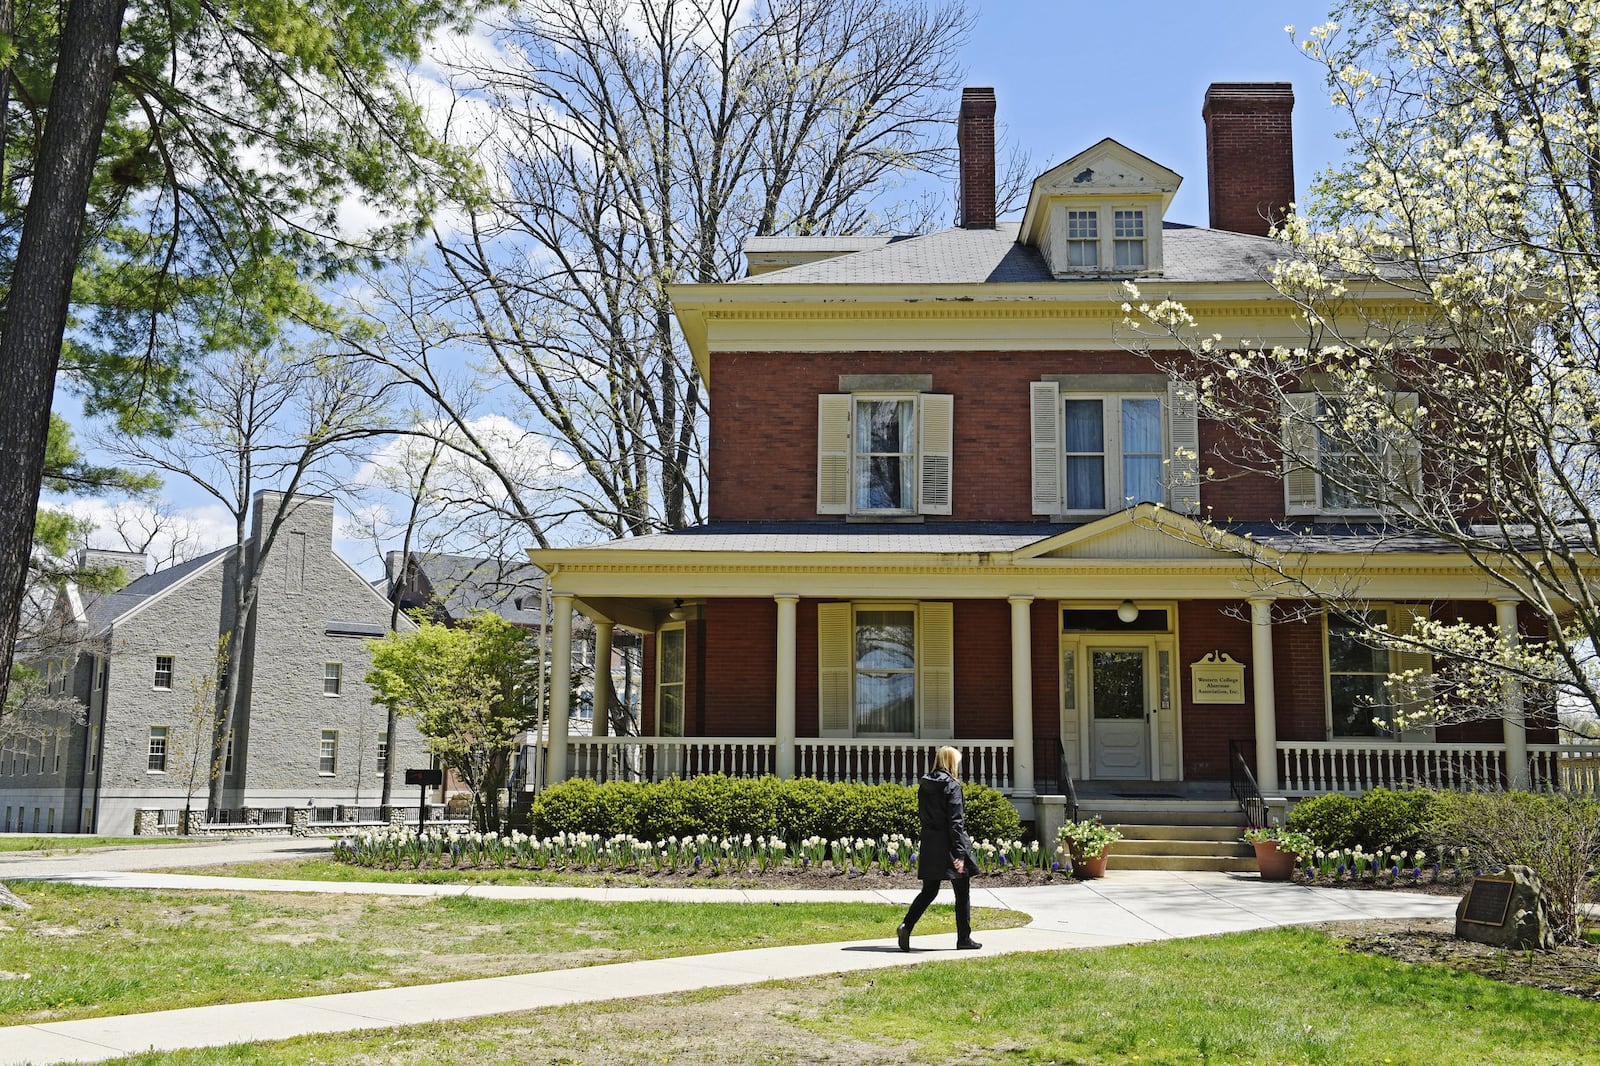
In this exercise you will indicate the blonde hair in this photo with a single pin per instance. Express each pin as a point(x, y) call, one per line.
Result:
point(947, 759)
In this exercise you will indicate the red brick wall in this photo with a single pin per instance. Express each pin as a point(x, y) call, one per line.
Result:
point(764, 430)
point(1205, 626)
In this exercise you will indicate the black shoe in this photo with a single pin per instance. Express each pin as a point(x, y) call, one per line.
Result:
point(903, 935)
point(968, 944)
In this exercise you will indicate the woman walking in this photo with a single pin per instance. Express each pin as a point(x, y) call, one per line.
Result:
point(945, 853)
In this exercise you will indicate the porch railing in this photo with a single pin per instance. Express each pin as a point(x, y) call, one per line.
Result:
point(900, 762)
point(1312, 767)
point(656, 758)
point(610, 758)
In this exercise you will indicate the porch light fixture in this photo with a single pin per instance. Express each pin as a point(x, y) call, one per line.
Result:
point(1127, 612)
point(677, 613)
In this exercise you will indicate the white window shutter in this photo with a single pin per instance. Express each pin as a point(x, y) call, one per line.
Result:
point(833, 453)
point(935, 449)
point(1404, 456)
point(936, 658)
point(1183, 465)
point(1044, 402)
point(1415, 695)
point(836, 665)
point(1301, 482)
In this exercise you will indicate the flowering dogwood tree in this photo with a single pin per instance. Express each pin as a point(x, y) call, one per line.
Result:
point(1447, 278)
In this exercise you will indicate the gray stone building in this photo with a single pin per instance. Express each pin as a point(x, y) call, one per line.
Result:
point(144, 663)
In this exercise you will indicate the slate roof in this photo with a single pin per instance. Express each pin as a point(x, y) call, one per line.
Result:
point(963, 256)
point(101, 611)
point(943, 537)
point(991, 537)
point(462, 585)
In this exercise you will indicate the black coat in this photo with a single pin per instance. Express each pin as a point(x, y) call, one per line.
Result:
point(944, 829)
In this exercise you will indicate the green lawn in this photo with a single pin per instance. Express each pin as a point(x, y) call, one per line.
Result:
point(81, 952)
point(328, 870)
point(1275, 997)
point(58, 844)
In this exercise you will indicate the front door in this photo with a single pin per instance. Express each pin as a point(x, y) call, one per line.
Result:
point(1119, 706)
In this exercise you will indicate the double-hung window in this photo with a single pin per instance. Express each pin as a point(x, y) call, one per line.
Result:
point(158, 749)
point(328, 754)
point(884, 454)
point(1083, 239)
point(1361, 701)
point(163, 678)
point(670, 673)
point(1127, 239)
point(332, 679)
point(1097, 453)
point(1349, 458)
point(886, 669)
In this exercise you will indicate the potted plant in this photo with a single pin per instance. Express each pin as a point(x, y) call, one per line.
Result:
point(1086, 842)
point(1278, 850)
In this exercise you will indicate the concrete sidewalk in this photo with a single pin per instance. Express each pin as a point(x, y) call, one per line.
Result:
point(1126, 907)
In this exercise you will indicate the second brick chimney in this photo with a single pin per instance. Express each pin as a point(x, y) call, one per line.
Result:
point(975, 139)
point(1249, 154)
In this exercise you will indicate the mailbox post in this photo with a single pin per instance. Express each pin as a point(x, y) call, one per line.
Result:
point(425, 779)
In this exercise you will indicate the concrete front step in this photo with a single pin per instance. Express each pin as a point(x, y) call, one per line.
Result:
point(1211, 863)
point(1192, 848)
point(1221, 834)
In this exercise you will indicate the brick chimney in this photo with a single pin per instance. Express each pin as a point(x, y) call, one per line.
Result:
point(1249, 154)
point(975, 138)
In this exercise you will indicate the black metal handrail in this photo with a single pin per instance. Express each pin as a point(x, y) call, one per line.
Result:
point(1066, 779)
point(1242, 783)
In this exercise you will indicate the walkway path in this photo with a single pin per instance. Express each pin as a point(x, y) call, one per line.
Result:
point(1125, 908)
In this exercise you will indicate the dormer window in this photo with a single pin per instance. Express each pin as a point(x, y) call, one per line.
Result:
point(1099, 214)
point(1083, 240)
point(1128, 238)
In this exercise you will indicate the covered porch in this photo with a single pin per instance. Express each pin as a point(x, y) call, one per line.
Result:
point(758, 616)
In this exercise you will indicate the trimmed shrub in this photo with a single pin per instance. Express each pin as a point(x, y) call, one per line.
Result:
point(732, 807)
point(1395, 820)
point(990, 816)
point(1382, 818)
point(1329, 820)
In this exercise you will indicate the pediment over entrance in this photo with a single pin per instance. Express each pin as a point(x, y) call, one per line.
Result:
point(1142, 533)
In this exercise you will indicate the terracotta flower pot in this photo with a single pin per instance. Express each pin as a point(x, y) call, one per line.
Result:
point(1089, 867)
point(1275, 865)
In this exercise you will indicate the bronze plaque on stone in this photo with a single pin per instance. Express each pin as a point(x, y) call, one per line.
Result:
point(1488, 900)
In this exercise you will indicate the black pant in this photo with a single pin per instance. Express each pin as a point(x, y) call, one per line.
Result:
point(930, 889)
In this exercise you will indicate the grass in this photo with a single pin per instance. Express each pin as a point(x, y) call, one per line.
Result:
point(56, 844)
point(84, 952)
point(1274, 997)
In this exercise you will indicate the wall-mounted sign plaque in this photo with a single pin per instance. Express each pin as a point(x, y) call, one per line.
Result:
point(1488, 900)
point(1217, 678)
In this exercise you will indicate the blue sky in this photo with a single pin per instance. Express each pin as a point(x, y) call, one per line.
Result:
point(1067, 73)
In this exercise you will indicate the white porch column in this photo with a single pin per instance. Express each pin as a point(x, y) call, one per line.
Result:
point(1266, 698)
point(602, 678)
point(1514, 711)
point(560, 686)
point(1021, 694)
point(783, 702)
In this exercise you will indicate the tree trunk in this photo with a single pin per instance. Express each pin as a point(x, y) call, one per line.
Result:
point(41, 286)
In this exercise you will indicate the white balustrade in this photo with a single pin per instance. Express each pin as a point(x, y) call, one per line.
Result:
point(901, 762)
point(1313, 767)
point(609, 758)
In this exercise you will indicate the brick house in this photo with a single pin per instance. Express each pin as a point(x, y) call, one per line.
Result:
point(143, 657)
point(948, 505)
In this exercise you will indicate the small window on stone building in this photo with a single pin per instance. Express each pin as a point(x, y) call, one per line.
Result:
point(332, 678)
point(328, 763)
point(163, 672)
point(158, 749)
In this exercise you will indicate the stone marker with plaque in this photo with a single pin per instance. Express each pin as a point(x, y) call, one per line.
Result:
point(1506, 910)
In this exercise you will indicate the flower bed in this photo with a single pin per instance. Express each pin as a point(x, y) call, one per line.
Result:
point(701, 855)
